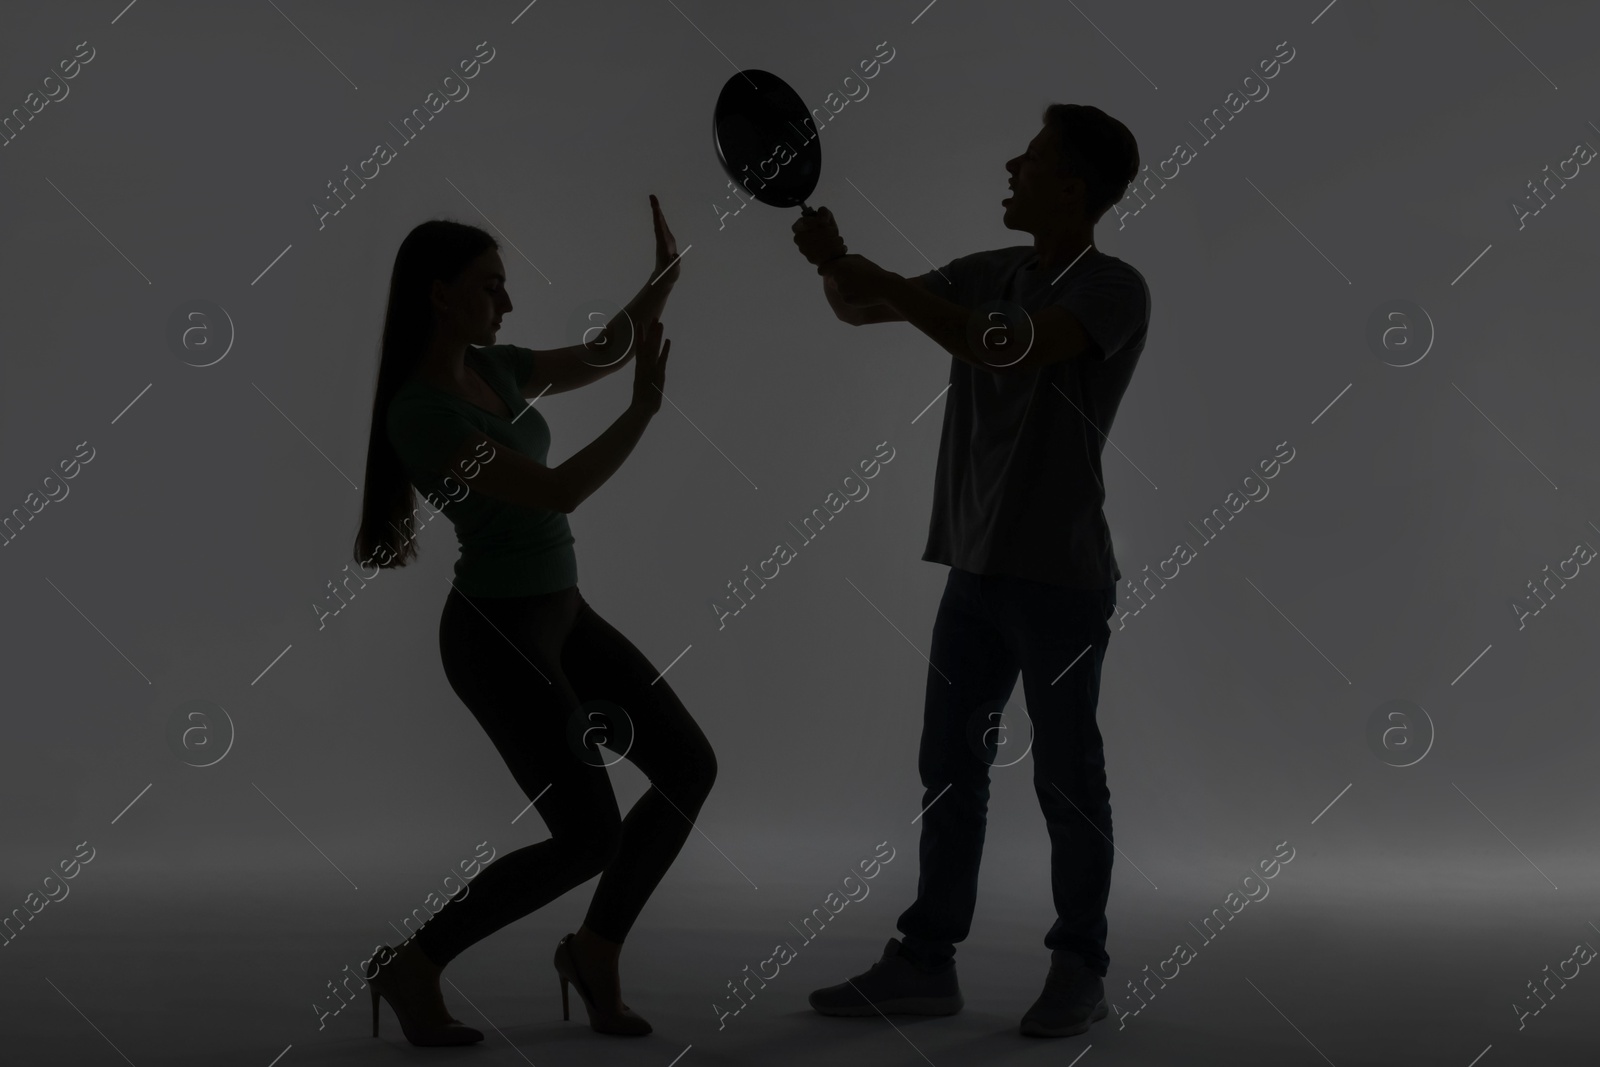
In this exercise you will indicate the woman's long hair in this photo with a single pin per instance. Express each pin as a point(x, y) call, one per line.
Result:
point(436, 250)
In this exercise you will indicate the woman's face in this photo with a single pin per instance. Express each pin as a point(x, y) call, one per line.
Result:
point(470, 308)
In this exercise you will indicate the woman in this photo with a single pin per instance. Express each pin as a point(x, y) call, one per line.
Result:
point(532, 661)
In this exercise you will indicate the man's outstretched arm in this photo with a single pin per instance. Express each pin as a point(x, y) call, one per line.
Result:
point(861, 292)
point(858, 316)
point(817, 237)
point(878, 295)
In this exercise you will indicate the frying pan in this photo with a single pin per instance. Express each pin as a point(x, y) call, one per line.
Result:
point(766, 140)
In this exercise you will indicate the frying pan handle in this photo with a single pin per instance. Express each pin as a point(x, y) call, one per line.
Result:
point(807, 209)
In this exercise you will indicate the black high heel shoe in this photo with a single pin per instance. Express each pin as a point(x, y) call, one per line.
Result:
point(421, 1025)
point(624, 1023)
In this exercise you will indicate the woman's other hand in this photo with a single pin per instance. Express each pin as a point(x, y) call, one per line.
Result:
point(650, 370)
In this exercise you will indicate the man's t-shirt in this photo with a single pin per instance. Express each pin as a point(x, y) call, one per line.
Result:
point(1019, 489)
point(506, 549)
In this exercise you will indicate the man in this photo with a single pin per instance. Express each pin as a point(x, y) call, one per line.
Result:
point(1044, 339)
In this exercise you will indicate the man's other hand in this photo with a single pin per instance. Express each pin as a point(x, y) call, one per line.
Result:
point(858, 281)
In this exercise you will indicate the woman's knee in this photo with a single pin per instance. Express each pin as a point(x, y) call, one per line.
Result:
point(708, 768)
point(681, 764)
point(690, 779)
point(698, 773)
point(590, 846)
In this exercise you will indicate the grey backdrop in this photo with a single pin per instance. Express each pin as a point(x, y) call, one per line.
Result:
point(185, 562)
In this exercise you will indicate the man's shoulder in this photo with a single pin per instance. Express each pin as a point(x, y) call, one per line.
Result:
point(988, 256)
point(1008, 254)
point(1106, 261)
point(1123, 274)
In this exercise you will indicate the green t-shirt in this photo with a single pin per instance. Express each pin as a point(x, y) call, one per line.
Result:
point(506, 549)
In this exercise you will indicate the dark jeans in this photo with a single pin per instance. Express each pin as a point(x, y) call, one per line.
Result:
point(525, 667)
point(989, 628)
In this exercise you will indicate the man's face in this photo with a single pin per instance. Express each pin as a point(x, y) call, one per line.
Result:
point(1043, 194)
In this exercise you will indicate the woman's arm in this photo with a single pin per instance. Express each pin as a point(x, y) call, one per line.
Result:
point(508, 475)
point(557, 370)
point(512, 477)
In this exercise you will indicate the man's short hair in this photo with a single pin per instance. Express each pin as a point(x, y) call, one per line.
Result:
point(1098, 149)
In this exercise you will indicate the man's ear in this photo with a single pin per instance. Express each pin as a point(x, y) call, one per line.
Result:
point(1077, 189)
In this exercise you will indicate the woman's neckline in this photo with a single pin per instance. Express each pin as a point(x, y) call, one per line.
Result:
point(479, 367)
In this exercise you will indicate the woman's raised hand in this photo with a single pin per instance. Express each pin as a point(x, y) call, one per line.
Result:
point(650, 370)
point(667, 268)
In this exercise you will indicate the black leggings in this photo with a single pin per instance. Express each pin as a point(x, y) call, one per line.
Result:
point(547, 678)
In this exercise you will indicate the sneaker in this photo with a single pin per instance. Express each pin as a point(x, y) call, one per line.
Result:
point(894, 986)
point(1073, 998)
